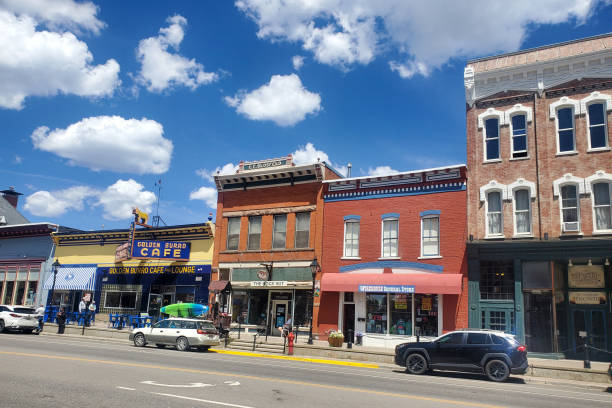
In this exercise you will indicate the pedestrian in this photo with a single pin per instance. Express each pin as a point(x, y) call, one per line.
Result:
point(82, 306)
point(61, 321)
point(40, 313)
point(92, 312)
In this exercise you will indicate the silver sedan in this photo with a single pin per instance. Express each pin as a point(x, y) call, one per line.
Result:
point(183, 333)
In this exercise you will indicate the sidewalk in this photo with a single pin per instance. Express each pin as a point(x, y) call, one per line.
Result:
point(541, 370)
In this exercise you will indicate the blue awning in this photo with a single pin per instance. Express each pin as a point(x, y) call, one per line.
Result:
point(73, 278)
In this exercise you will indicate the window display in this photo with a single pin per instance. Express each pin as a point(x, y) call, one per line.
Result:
point(376, 310)
point(426, 314)
point(401, 314)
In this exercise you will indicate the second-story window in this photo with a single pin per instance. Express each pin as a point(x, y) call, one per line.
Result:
point(598, 137)
point(602, 203)
point(522, 212)
point(430, 236)
point(233, 233)
point(280, 231)
point(570, 208)
point(494, 214)
point(302, 230)
point(519, 136)
point(390, 237)
point(492, 139)
point(565, 130)
point(254, 232)
point(351, 238)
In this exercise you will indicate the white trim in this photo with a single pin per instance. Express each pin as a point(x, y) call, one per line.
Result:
point(285, 264)
point(501, 199)
point(493, 185)
point(579, 190)
point(596, 97)
point(562, 103)
point(599, 177)
point(606, 100)
point(522, 183)
point(568, 178)
point(510, 113)
point(440, 313)
point(403, 173)
point(344, 256)
point(518, 108)
point(437, 255)
point(489, 113)
point(529, 211)
point(382, 237)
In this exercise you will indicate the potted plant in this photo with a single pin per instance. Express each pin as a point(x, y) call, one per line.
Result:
point(335, 339)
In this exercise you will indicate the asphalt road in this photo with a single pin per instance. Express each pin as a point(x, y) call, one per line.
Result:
point(48, 371)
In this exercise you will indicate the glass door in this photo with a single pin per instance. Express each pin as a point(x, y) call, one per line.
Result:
point(589, 326)
point(501, 319)
point(155, 302)
point(279, 315)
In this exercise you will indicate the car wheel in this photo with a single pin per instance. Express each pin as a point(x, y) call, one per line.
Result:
point(159, 345)
point(2, 326)
point(182, 344)
point(203, 348)
point(139, 340)
point(416, 364)
point(497, 370)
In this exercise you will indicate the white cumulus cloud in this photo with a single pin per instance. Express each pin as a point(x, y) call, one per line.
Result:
point(298, 62)
point(425, 34)
point(109, 143)
point(381, 171)
point(118, 199)
point(309, 154)
point(161, 68)
point(228, 168)
point(45, 63)
point(283, 100)
point(58, 14)
point(206, 194)
point(54, 203)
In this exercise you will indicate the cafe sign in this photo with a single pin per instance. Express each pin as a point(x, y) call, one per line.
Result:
point(587, 298)
point(586, 276)
point(169, 250)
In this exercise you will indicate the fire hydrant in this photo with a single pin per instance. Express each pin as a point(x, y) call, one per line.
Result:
point(290, 338)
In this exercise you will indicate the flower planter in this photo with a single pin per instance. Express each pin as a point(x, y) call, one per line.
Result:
point(335, 341)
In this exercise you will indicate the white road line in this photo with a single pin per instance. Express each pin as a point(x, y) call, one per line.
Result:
point(202, 400)
point(127, 388)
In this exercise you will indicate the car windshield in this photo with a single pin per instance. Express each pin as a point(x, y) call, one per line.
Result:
point(25, 310)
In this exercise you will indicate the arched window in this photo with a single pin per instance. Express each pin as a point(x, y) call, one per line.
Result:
point(566, 141)
point(602, 206)
point(570, 208)
point(519, 135)
point(522, 211)
point(598, 132)
point(494, 214)
point(491, 134)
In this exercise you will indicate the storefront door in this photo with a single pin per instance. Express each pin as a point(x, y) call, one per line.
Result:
point(592, 322)
point(167, 299)
point(279, 313)
point(348, 325)
point(155, 302)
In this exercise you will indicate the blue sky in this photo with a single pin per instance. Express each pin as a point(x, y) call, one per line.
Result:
point(103, 99)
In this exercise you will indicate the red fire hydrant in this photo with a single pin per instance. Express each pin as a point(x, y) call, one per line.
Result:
point(290, 338)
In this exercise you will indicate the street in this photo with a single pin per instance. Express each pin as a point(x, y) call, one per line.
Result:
point(49, 371)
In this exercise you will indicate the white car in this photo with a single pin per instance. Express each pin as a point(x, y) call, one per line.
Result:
point(183, 333)
point(21, 318)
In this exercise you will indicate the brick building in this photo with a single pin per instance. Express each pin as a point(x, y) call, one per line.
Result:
point(394, 255)
point(539, 194)
point(269, 231)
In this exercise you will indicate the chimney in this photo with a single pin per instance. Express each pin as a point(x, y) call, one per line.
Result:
point(348, 170)
point(11, 196)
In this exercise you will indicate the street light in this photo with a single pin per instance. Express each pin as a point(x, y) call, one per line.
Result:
point(55, 266)
point(314, 268)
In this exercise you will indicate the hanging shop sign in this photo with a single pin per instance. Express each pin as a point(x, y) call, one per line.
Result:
point(122, 253)
point(587, 298)
point(154, 270)
point(268, 283)
point(176, 251)
point(387, 288)
point(586, 276)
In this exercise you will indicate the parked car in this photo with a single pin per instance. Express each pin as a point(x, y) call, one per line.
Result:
point(495, 353)
point(18, 318)
point(183, 333)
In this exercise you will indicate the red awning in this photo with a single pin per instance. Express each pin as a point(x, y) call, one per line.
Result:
point(219, 286)
point(434, 283)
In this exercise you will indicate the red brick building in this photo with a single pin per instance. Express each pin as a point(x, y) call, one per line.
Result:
point(269, 230)
point(394, 255)
point(540, 193)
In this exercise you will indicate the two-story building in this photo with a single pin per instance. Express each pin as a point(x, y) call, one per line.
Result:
point(394, 261)
point(269, 232)
point(540, 194)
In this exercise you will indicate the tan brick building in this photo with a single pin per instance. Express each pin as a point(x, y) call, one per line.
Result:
point(269, 229)
point(540, 194)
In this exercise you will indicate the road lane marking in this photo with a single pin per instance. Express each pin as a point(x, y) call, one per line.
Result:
point(127, 388)
point(190, 385)
point(227, 404)
point(303, 359)
point(231, 383)
point(257, 378)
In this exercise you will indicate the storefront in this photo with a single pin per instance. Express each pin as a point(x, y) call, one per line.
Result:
point(19, 283)
point(70, 284)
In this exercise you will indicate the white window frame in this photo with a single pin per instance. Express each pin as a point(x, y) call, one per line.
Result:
point(382, 238)
point(568, 178)
point(529, 213)
point(501, 199)
point(296, 230)
point(227, 238)
point(561, 208)
point(606, 100)
point(344, 254)
point(274, 230)
point(438, 254)
point(482, 118)
point(249, 232)
point(512, 151)
point(554, 107)
point(599, 177)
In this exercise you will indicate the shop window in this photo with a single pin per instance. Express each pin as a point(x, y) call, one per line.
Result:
point(376, 312)
point(390, 237)
point(602, 206)
point(536, 275)
point(430, 236)
point(254, 233)
point(565, 130)
point(303, 299)
point(492, 139)
point(258, 299)
point(19, 293)
point(570, 208)
point(302, 230)
point(280, 231)
point(496, 280)
point(240, 306)
point(538, 320)
point(598, 135)
point(401, 314)
point(522, 212)
point(351, 238)
point(121, 300)
point(233, 233)
point(519, 136)
point(494, 214)
point(426, 314)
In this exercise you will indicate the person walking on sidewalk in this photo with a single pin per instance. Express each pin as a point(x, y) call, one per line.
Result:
point(92, 312)
point(40, 313)
point(61, 321)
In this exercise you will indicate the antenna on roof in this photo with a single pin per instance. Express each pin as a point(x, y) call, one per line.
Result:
point(156, 217)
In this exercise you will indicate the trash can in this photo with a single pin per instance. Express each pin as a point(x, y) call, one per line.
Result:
point(358, 337)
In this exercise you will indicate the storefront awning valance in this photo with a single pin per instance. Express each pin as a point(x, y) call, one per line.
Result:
point(219, 286)
point(73, 278)
point(434, 283)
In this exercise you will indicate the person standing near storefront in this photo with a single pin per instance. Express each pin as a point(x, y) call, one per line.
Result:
point(61, 321)
point(92, 312)
point(40, 313)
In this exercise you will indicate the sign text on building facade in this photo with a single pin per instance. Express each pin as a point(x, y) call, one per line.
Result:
point(149, 270)
point(176, 251)
point(387, 288)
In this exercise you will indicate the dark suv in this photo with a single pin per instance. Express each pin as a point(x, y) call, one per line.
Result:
point(497, 354)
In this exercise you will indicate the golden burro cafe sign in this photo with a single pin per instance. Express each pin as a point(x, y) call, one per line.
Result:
point(168, 250)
